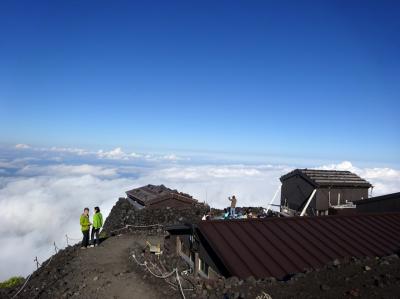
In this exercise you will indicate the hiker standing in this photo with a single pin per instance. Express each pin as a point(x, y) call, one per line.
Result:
point(85, 226)
point(233, 201)
point(97, 224)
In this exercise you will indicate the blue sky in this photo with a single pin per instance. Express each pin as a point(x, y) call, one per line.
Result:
point(318, 79)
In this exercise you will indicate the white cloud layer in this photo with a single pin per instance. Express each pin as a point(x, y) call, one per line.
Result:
point(41, 202)
point(22, 146)
point(67, 170)
point(114, 154)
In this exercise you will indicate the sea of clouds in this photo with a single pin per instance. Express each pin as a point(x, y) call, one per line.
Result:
point(43, 190)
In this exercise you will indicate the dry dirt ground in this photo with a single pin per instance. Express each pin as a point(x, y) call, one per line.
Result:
point(100, 272)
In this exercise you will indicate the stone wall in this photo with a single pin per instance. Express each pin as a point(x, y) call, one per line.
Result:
point(123, 213)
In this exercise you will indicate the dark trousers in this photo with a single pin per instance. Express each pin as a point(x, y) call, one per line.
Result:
point(85, 240)
point(95, 232)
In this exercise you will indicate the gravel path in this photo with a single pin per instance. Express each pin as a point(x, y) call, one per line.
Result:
point(100, 272)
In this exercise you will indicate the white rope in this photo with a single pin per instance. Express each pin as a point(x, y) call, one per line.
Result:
point(165, 276)
point(179, 282)
point(39, 265)
point(140, 264)
point(26, 281)
point(56, 249)
point(173, 286)
point(136, 226)
point(49, 261)
point(73, 239)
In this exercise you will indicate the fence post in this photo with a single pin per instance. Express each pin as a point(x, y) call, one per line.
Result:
point(37, 262)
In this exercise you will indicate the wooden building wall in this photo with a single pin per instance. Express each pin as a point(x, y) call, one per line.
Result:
point(346, 194)
point(295, 191)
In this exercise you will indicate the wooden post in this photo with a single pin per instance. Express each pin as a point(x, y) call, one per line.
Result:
point(308, 202)
point(37, 262)
point(178, 245)
point(196, 263)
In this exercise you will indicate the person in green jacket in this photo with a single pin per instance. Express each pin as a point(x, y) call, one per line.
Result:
point(85, 226)
point(97, 224)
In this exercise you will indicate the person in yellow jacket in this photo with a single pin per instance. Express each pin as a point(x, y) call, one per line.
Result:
point(97, 224)
point(85, 226)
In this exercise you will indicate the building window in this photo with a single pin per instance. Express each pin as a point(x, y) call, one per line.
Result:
point(203, 267)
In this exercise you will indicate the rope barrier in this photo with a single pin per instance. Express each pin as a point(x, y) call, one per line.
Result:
point(136, 226)
point(172, 286)
point(55, 247)
point(38, 264)
point(67, 239)
point(179, 282)
point(26, 281)
point(165, 276)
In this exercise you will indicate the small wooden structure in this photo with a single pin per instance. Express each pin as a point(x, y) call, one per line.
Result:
point(153, 196)
point(316, 191)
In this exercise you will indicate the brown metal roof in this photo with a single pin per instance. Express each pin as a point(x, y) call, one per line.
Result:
point(178, 197)
point(328, 178)
point(150, 193)
point(146, 193)
point(278, 247)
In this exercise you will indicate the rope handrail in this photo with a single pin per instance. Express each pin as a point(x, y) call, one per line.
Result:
point(165, 276)
point(56, 249)
point(179, 282)
point(20, 290)
point(136, 226)
point(38, 264)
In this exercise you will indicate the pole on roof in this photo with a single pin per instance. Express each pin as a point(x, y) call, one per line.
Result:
point(308, 203)
point(273, 198)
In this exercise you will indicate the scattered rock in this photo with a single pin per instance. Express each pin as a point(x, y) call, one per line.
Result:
point(354, 292)
point(324, 287)
point(336, 263)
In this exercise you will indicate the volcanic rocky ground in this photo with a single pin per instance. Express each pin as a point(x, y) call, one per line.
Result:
point(109, 271)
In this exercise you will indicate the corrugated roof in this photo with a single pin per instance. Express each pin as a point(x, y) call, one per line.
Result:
point(153, 194)
point(329, 177)
point(147, 193)
point(278, 247)
point(178, 197)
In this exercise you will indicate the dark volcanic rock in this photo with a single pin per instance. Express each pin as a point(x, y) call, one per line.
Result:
point(124, 213)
